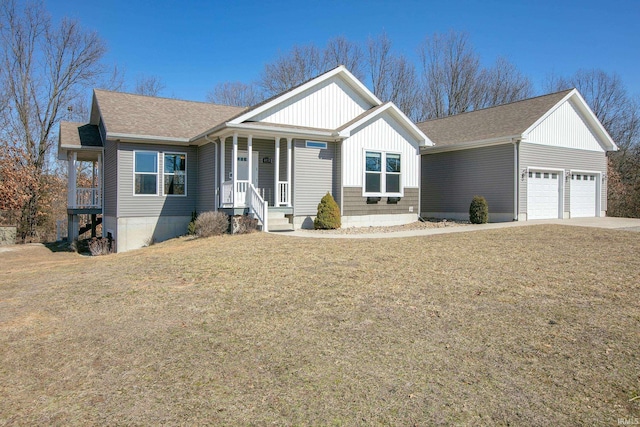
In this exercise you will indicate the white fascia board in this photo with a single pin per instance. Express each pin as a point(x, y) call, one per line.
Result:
point(469, 145)
point(146, 138)
point(399, 115)
point(338, 70)
point(272, 131)
point(586, 110)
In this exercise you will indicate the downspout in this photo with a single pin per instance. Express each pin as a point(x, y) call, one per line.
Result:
point(216, 191)
point(516, 176)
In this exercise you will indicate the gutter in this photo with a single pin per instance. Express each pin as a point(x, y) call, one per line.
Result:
point(145, 138)
point(467, 145)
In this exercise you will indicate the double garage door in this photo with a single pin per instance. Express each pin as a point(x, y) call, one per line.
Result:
point(544, 194)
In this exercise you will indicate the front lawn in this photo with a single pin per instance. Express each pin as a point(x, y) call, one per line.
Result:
point(530, 325)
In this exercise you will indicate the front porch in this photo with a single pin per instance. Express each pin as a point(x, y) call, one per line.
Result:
point(255, 176)
point(84, 192)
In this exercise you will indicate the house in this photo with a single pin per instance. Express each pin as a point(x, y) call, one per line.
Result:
point(543, 157)
point(157, 160)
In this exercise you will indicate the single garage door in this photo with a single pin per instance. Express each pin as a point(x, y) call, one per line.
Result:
point(543, 195)
point(583, 195)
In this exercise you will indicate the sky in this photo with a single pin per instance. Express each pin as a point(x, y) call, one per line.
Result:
point(193, 45)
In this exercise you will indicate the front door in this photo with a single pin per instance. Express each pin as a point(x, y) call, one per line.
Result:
point(243, 167)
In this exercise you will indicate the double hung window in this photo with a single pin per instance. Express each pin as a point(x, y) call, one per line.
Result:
point(382, 173)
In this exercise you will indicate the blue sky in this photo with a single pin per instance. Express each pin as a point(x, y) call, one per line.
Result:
point(192, 45)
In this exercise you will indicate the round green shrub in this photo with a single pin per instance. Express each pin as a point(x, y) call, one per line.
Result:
point(479, 210)
point(328, 217)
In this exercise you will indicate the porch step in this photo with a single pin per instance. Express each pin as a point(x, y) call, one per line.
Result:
point(278, 221)
point(281, 227)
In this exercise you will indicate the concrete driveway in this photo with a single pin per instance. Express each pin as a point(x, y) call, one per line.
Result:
point(628, 224)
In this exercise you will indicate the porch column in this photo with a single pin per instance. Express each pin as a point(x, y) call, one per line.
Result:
point(250, 158)
point(222, 165)
point(234, 167)
point(289, 172)
point(99, 183)
point(71, 179)
point(276, 174)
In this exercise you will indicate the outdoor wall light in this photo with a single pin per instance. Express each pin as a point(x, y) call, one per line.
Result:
point(524, 173)
point(567, 175)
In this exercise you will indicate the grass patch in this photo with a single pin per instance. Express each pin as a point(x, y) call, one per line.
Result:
point(540, 327)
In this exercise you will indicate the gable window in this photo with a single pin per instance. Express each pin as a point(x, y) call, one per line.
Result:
point(382, 174)
point(145, 172)
point(175, 174)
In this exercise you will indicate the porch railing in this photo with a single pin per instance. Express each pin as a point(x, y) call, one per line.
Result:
point(240, 196)
point(87, 198)
point(283, 193)
point(258, 207)
point(227, 193)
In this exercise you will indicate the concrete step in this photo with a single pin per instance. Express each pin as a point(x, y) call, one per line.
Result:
point(281, 227)
point(275, 214)
point(278, 221)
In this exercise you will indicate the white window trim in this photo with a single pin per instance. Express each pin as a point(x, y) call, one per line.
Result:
point(186, 173)
point(133, 189)
point(383, 173)
point(310, 144)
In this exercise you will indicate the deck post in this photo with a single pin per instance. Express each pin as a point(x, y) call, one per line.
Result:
point(276, 174)
point(289, 172)
point(71, 183)
point(234, 167)
point(93, 225)
point(222, 168)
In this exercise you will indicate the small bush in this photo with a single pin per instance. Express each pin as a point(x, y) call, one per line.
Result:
point(328, 217)
point(212, 224)
point(479, 210)
point(101, 246)
point(244, 224)
point(191, 228)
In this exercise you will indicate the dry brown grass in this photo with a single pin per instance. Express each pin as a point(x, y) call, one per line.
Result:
point(522, 326)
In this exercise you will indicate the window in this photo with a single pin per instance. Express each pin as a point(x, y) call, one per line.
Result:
point(316, 144)
point(175, 174)
point(546, 175)
point(146, 172)
point(379, 179)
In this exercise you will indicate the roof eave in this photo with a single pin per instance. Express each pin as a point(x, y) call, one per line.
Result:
point(129, 137)
point(471, 144)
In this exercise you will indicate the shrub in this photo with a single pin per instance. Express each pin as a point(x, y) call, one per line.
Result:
point(191, 228)
point(212, 224)
point(328, 217)
point(244, 224)
point(479, 210)
point(101, 246)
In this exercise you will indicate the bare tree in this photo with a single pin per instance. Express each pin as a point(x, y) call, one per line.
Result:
point(291, 69)
point(340, 51)
point(235, 93)
point(149, 85)
point(451, 70)
point(45, 69)
point(500, 84)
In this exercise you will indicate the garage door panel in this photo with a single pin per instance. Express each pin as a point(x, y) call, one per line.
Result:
point(543, 194)
point(583, 195)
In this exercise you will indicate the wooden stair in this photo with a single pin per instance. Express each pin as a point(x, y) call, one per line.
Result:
point(88, 226)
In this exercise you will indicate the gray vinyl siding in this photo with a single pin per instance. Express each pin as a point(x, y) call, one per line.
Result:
point(449, 180)
point(314, 176)
point(265, 148)
point(130, 205)
point(544, 156)
point(355, 204)
point(206, 195)
point(110, 177)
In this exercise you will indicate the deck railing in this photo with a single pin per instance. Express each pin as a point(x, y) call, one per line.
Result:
point(258, 207)
point(87, 198)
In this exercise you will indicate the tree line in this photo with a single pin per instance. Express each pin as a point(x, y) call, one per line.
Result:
point(47, 69)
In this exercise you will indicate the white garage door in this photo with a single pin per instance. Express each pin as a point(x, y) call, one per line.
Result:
point(543, 195)
point(583, 195)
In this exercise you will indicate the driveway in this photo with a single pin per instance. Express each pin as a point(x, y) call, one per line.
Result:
point(629, 224)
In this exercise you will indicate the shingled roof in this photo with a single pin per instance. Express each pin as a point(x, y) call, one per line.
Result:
point(129, 114)
point(505, 120)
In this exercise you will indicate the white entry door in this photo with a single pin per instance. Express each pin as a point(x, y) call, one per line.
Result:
point(243, 167)
point(583, 196)
point(543, 194)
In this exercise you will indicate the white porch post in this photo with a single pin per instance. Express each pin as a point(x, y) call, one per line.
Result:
point(276, 174)
point(99, 183)
point(71, 179)
point(222, 165)
point(250, 158)
point(234, 167)
point(289, 172)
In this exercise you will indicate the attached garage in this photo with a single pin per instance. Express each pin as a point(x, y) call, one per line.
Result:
point(584, 194)
point(557, 169)
point(544, 195)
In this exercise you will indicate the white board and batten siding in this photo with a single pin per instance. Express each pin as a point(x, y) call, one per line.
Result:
point(381, 134)
point(327, 106)
point(567, 128)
